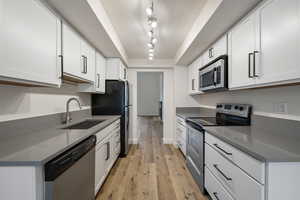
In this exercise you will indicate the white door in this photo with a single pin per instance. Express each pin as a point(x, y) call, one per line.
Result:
point(220, 47)
point(242, 42)
point(72, 52)
point(100, 73)
point(196, 67)
point(280, 41)
point(29, 42)
point(100, 164)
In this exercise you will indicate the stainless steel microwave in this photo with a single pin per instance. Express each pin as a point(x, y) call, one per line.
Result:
point(214, 75)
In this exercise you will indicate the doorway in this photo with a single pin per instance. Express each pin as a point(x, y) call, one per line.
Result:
point(150, 94)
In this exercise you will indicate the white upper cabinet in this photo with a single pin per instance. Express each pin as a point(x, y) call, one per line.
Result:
point(242, 44)
point(264, 47)
point(99, 75)
point(194, 76)
point(115, 69)
point(219, 48)
point(279, 41)
point(78, 56)
point(29, 43)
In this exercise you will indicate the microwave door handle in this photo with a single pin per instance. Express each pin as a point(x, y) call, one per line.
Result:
point(215, 76)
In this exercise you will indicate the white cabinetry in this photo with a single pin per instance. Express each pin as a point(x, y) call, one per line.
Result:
point(279, 41)
point(181, 134)
point(264, 47)
point(116, 70)
point(219, 48)
point(78, 57)
point(107, 151)
point(193, 73)
point(242, 44)
point(29, 43)
point(100, 76)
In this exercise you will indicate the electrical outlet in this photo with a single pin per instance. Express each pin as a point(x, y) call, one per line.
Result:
point(281, 108)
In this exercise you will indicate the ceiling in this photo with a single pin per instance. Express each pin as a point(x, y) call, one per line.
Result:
point(175, 19)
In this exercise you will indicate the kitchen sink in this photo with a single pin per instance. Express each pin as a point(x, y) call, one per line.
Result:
point(85, 124)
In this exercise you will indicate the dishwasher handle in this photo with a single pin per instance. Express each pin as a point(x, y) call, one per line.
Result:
point(64, 161)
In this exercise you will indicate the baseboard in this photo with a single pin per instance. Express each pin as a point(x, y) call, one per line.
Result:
point(168, 141)
point(133, 141)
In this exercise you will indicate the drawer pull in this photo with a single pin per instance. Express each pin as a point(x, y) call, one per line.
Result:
point(227, 153)
point(222, 173)
point(216, 195)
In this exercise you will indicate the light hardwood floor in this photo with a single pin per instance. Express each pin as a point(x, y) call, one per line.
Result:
point(151, 171)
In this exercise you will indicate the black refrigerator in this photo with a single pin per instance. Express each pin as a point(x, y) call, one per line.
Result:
point(115, 101)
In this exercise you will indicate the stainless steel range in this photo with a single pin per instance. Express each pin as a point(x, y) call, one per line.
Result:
point(227, 114)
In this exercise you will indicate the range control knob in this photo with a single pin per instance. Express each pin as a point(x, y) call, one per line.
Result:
point(241, 108)
point(236, 107)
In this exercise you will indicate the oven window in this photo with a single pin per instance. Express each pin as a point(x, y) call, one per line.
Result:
point(207, 79)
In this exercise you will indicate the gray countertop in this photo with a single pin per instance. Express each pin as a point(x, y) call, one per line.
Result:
point(264, 145)
point(39, 147)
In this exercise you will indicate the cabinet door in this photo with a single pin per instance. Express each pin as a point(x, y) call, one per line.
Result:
point(73, 62)
point(220, 47)
point(85, 59)
point(279, 42)
point(101, 162)
point(29, 42)
point(242, 42)
point(91, 64)
point(191, 78)
point(100, 73)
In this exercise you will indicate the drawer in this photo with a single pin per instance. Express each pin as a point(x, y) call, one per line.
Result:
point(253, 167)
point(236, 181)
point(107, 131)
point(214, 188)
point(180, 121)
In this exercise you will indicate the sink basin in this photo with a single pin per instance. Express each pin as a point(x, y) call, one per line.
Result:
point(85, 124)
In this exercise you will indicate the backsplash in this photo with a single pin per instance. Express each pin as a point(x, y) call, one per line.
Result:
point(17, 102)
point(279, 100)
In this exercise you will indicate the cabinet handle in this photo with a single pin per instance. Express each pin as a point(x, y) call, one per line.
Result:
point(216, 195)
point(227, 153)
point(254, 63)
point(107, 150)
point(249, 65)
point(83, 64)
point(222, 173)
point(86, 65)
point(193, 84)
point(210, 55)
point(61, 58)
point(98, 84)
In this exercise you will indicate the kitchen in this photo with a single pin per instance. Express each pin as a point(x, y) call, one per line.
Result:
point(69, 122)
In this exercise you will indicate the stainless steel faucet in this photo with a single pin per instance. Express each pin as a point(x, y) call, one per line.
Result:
point(68, 117)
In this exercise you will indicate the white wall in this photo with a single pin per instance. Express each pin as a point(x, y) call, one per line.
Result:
point(182, 98)
point(264, 101)
point(20, 102)
point(168, 108)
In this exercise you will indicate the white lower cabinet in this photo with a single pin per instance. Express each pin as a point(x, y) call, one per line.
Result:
point(29, 43)
point(214, 188)
point(236, 181)
point(107, 152)
point(181, 134)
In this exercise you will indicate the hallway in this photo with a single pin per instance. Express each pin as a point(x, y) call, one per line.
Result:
point(151, 171)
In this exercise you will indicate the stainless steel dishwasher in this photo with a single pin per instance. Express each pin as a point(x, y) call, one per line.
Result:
point(71, 175)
